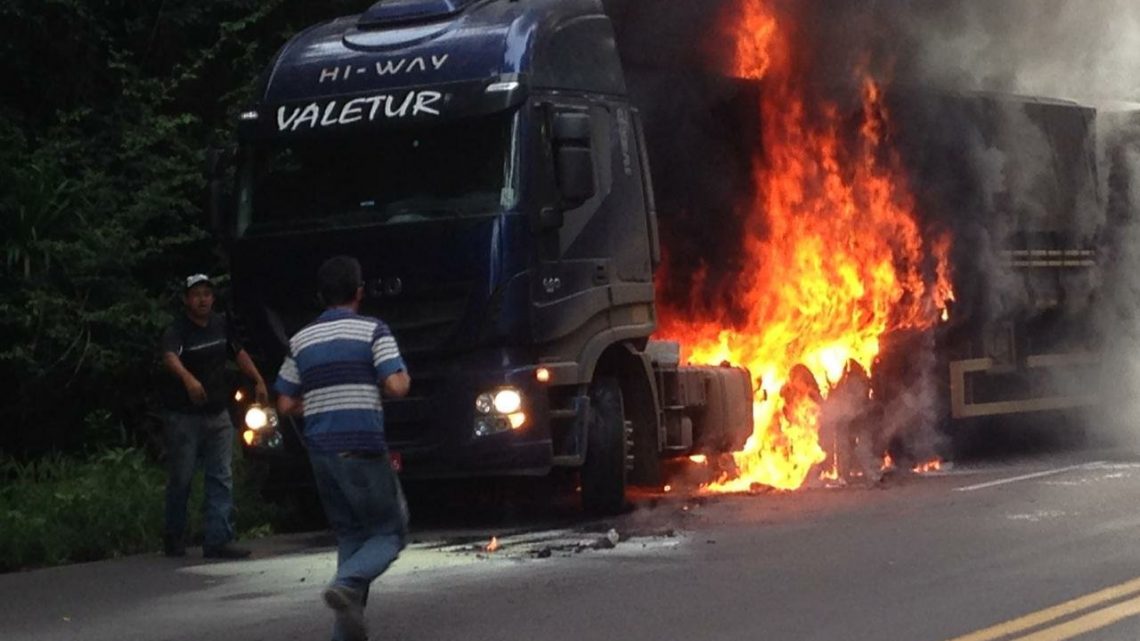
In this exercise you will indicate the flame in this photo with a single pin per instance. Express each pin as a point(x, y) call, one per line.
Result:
point(493, 545)
point(888, 463)
point(929, 466)
point(839, 263)
point(699, 459)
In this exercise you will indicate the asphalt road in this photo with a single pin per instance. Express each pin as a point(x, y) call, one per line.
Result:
point(1039, 549)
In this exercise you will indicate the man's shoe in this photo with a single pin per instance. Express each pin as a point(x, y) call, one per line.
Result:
point(347, 603)
point(224, 551)
point(173, 547)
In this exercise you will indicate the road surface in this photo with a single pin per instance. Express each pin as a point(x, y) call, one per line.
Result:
point(1036, 550)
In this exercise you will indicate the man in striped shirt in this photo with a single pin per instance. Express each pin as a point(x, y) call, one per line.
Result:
point(334, 374)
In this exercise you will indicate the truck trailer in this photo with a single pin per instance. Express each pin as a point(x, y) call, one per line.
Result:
point(484, 162)
point(1018, 180)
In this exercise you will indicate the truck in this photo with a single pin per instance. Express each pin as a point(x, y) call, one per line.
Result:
point(485, 163)
point(500, 169)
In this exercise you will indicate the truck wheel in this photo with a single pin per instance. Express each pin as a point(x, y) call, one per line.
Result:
point(604, 470)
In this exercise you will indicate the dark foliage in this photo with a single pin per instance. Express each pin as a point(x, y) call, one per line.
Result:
point(109, 107)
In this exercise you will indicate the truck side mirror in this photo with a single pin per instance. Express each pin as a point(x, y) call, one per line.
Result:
point(573, 160)
point(575, 174)
point(219, 161)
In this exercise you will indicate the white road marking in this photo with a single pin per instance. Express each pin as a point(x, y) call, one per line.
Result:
point(1026, 477)
point(1037, 516)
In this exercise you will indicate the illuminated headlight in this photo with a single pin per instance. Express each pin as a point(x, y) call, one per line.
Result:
point(258, 417)
point(507, 401)
point(504, 401)
point(498, 411)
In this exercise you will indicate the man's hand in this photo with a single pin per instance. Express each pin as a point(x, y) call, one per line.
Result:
point(195, 390)
point(397, 385)
point(289, 406)
point(261, 394)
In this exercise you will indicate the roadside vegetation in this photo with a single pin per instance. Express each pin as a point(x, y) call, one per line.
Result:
point(73, 508)
point(108, 111)
point(65, 508)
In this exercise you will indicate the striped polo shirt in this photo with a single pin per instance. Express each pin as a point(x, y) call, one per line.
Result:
point(335, 366)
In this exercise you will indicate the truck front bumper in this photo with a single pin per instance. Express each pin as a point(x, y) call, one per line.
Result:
point(436, 431)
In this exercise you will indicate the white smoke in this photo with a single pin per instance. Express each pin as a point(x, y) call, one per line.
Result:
point(1085, 50)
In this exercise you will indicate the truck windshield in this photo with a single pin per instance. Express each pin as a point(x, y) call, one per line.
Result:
point(385, 177)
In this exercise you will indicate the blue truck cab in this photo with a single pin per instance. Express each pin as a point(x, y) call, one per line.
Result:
point(483, 161)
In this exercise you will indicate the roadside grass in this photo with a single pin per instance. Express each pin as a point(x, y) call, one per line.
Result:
point(65, 509)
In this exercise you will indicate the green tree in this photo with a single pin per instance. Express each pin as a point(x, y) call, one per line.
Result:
point(110, 106)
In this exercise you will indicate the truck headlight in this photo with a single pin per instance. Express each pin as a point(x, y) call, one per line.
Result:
point(507, 401)
point(258, 417)
point(498, 411)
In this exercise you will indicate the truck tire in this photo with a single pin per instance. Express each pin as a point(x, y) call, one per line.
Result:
point(604, 470)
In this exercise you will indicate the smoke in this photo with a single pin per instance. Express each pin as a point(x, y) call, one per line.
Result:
point(1085, 51)
point(1118, 317)
point(1088, 53)
point(1019, 123)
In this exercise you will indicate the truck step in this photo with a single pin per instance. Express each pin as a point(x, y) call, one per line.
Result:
point(568, 460)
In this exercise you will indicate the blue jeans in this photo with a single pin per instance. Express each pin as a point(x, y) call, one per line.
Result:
point(190, 439)
point(366, 508)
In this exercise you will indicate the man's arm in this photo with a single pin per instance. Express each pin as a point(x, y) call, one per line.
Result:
point(397, 385)
point(390, 369)
point(245, 364)
point(194, 387)
point(289, 389)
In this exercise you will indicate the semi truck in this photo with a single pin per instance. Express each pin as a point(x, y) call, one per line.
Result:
point(485, 163)
point(500, 168)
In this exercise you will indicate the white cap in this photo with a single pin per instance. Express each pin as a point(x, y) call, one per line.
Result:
point(197, 279)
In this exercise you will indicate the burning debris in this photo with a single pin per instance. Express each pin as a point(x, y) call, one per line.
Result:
point(544, 544)
point(832, 262)
point(929, 466)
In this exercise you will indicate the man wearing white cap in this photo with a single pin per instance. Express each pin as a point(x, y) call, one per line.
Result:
point(194, 351)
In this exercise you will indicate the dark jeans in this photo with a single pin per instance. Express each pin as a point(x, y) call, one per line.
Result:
point(366, 509)
point(190, 439)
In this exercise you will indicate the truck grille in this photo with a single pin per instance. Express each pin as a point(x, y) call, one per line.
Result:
point(412, 419)
point(423, 319)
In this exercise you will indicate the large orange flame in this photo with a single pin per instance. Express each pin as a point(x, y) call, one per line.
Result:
point(840, 263)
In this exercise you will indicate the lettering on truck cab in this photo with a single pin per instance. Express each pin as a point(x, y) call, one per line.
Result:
point(366, 108)
point(391, 67)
